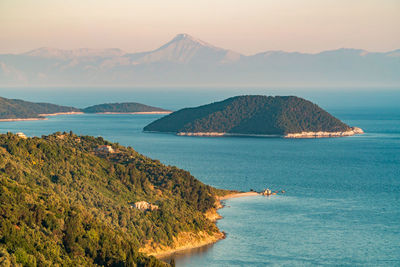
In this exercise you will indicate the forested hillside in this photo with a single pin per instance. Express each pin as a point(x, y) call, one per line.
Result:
point(64, 202)
point(129, 107)
point(19, 109)
point(253, 114)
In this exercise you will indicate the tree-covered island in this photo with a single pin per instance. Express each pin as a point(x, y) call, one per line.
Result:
point(287, 116)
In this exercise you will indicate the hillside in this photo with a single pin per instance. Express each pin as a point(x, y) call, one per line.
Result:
point(66, 203)
point(123, 108)
point(188, 61)
point(19, 109)
point(260, 115)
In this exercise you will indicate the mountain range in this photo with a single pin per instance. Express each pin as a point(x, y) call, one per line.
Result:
point(187, 61)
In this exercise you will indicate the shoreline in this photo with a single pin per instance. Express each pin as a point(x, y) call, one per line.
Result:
point(44, 115)
point(41, 116)
point(139, 112)
point(60, 113)
point(24, 119)
point(201, 239)
point(351, 132)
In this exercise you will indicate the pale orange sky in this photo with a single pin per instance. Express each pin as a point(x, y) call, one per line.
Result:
point(248, 27)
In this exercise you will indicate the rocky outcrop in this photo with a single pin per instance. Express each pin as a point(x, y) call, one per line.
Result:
point(352, 131)
point(202, 134)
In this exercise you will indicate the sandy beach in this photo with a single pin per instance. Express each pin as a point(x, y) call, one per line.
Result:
point(236, 195)
point(187, 240)
point(42, 116)
point(60, 113)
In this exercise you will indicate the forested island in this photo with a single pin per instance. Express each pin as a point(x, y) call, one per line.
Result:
point(130, 107)
point(287, 116)
point(15, 109)
point(71, 200)
point(19, 110)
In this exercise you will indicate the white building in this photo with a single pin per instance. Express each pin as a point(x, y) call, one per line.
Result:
point(21, 134)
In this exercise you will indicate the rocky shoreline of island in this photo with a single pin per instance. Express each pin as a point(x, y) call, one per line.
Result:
point(320, 134)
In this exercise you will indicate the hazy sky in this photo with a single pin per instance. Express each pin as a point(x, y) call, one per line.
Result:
point(247, 26)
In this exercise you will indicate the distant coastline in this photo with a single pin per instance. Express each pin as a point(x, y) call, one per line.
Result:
point(139, 112)
point(41, 118)
point(61, 113)
point(24, 119)
point(20, 110)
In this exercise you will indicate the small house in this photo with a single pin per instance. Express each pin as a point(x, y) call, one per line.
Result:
point(21, 134)
point(143, 206)
point(105, 149)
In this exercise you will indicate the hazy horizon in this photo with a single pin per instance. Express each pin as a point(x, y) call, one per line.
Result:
point(250, 27)
point(224, 43)
point(172, 37)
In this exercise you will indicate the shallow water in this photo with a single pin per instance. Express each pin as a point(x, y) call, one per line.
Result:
point(342, 205)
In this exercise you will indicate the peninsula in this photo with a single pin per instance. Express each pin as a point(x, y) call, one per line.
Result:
point(74, 200)
point(255, 115)
point(18, 110)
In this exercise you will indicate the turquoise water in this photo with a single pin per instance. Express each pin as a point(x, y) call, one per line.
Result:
point(342, 205)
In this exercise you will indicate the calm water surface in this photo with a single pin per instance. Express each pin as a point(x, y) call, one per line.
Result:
point(342, 205)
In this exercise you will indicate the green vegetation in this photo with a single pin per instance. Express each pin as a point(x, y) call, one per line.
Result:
point(63, 203)
point(251, 115)
point(121, 108)
point(19, 109)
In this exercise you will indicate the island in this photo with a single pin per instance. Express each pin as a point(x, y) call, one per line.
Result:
point(255, 115)
point(16, 110)
point(20, 110)
point(70, 200)
point(125, 108)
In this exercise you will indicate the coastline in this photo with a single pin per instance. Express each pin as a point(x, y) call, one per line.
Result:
point(139, 112)
point(41, 118)
point(60, 113)
point(24, 119)
point(189, 240)
point(351, 132)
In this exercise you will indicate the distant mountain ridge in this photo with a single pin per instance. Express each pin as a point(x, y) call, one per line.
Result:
point(287, 116)
point(186, 60)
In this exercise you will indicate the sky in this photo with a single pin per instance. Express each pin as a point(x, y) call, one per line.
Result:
point(246, 26)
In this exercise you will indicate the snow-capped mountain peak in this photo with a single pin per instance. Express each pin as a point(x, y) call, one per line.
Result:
point(184, 48)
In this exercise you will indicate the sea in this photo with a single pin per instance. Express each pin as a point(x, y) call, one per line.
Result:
point(341, 205)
